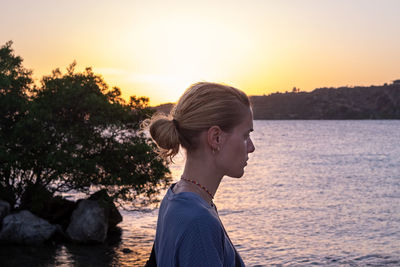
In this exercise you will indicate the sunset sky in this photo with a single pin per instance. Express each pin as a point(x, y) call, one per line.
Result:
point(158, 48)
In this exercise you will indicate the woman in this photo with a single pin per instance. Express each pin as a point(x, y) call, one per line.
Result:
point(212, 122)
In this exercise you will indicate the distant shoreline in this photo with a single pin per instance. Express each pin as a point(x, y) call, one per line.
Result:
point(343, 103)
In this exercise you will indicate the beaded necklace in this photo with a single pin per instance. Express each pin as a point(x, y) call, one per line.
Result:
point(199, 185)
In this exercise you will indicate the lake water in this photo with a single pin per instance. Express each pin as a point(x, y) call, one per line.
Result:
point(314, 193)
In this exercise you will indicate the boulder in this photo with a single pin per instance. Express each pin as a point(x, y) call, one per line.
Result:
point(8, 195)
point(34, 198)
point(41, 202)
point(59, 235)
point(25, 228)
point(88, 223)
point(59, 211)
point(113, 215)
point(4, 209)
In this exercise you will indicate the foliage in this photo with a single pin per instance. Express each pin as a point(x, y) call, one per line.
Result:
point(15, 85)
point(75, 133)
point(372, 102)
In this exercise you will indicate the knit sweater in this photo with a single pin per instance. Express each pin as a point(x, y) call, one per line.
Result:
point(190, 233)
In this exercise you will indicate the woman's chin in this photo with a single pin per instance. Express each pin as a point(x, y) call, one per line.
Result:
point(239, 174)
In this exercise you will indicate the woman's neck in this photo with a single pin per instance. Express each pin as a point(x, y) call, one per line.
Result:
point(203, 171)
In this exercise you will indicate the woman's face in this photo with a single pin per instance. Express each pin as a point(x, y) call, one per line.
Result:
point(233, 154)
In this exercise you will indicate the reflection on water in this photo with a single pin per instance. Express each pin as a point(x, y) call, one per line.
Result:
point(314, 193)
point(321, 192)
point(43, 255)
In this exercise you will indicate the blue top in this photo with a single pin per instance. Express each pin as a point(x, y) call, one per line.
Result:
point(190, 233)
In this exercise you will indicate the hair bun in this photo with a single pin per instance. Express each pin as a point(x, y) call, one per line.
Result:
point(201, 106)
point(164, 133)
point(176, 124)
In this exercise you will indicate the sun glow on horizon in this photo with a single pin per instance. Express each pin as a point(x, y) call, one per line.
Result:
point(177, 54)
point(159, 48)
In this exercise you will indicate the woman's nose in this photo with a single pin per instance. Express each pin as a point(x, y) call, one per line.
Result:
point(251, 147)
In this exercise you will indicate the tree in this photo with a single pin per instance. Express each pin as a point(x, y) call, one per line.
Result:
point(15, 86)
point(295, 90)
point(77, 133)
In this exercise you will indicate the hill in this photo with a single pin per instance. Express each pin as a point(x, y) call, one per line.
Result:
point(373, 102)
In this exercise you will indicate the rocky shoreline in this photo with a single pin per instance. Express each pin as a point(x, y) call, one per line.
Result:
point(54, 219)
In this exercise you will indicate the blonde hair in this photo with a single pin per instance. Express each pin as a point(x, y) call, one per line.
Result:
point(201, 106)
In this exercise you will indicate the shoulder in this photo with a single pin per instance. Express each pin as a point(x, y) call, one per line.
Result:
point(192, 205)
point(187, 209)
point(188, 231)
point(198, 219)
point(201, 239)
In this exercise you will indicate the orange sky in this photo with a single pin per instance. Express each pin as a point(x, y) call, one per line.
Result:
point(158, 48)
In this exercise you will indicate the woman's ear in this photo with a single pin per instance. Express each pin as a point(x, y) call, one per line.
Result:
point(214, 137)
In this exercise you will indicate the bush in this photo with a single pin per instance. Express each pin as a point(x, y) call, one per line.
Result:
point(73, 132)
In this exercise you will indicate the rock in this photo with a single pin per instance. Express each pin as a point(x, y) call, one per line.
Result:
point(41, 202)
point(4, 209)
point(59, 211)
point(59, 235)
point(114, 236)
point(25, 228)
point(7, 195)
point(34, 198)
point(113, 215)
point(126, 250)
point(88, 223)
